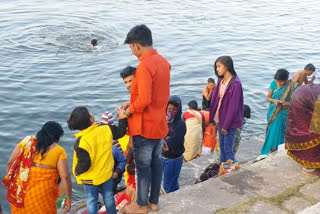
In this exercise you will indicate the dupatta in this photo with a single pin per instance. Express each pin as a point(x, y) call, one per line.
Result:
point(16, 180)
point(286, 94)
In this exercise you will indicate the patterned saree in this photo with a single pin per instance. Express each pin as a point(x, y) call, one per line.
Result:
point(302, 139)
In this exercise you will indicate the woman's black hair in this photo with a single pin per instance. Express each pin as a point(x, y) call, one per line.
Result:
point(79, 119)
point(246, 111)
point(211, 80)
point(281, 74)
point(226, 61)
point(50, 133)
point(193, 105)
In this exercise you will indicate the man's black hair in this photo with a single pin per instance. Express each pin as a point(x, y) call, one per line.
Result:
point(128, 71)
point(282, 74)
point(139, 34)
point(309, 67)
point(211, 80)
point(94, 42)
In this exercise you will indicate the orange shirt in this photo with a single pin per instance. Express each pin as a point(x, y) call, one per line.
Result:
point(149, 97)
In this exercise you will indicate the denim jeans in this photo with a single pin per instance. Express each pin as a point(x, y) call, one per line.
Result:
point(92, 192)
point(171, 172)
point(115, 184)
point(226, 145)
point(147, 155)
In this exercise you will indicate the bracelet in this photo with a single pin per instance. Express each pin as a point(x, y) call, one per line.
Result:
point(126, 116)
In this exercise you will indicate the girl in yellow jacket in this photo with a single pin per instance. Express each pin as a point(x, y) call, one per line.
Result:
point(92, 159)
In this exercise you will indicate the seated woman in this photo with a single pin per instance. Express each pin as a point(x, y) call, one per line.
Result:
point(303, 130)
point(279, 96)
point(33, 170)
point(194, 136)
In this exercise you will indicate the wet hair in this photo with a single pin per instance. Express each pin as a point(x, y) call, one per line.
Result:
point(281, 74)
point(94, 42)
point(193, 105)
point(139, 34)
point(211, 80)
point(227, 62)
point(309, 67)
point(79, 119)
point(50, 133)
point(246, 111)
point(128, 71)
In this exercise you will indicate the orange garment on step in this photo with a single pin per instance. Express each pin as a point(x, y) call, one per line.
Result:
point(42, 192)
point(209, 136)
point(149, 97)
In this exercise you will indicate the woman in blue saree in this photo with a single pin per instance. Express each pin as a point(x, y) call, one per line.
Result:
point(279, 96)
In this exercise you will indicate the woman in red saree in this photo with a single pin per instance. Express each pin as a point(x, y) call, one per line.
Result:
point(33, 170)
point(303, 129)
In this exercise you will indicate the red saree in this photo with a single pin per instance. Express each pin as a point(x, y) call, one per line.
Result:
point(302, 140)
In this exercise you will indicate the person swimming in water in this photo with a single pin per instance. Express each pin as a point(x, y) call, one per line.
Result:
point(94, 42)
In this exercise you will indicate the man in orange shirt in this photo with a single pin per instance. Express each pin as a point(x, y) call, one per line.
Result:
point(147, 123)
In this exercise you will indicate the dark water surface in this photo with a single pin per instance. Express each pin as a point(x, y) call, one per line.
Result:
point(46, 69)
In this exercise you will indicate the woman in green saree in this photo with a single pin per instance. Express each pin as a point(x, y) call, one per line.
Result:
point(279, 96)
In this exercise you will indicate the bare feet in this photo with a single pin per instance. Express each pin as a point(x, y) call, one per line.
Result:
point(311, 172)
point(153, 207)
point(134, 208)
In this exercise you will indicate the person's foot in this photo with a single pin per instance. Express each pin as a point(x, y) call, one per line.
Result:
point(153, 207)
point(311, 172)
point(134, 208)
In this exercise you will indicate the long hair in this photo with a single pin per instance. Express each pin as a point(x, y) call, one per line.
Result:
point(50, 133)
point(226, 61)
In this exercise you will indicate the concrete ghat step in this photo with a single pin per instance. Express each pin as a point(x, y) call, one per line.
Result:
point(268, 183)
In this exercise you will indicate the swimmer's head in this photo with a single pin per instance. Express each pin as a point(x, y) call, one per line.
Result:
point(94, 42)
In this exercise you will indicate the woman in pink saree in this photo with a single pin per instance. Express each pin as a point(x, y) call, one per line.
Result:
point(303, 129)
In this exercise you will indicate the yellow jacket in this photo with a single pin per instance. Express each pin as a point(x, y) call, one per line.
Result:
point(94, 148)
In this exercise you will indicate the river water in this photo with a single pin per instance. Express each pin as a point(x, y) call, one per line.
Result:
point(47, 70)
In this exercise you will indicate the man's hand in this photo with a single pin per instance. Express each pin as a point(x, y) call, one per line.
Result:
point(313, 78)
point(224, 132)
point(115, 175)
point(127, 112)
point(120, 113)
point(124, 106)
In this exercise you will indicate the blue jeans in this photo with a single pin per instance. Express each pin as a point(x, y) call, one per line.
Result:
point(92, 192)
point(147, 156)
point(226, 145)
point(171, 172)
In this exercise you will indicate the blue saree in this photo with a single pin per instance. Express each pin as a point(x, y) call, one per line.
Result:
point(277, 117)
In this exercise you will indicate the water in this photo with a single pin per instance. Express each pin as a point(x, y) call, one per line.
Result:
point(46, 69)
